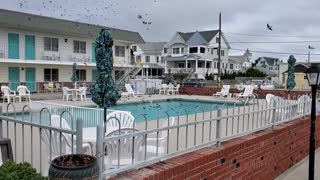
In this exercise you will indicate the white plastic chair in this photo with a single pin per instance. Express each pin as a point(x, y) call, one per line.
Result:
point(23, 92)
point(162, 139)
point(163, 89)
point(82, 92)
point(57, 86)
point(224, 91)
point(66, 93)
point(123, 149)
point(8, 94)
point(176, 89)
point(126, 121)
point(170, 89)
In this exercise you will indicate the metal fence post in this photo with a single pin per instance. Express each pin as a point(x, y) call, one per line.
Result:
point(79, 136)
point(1, 129)
point(218, 128)
point(100, 151)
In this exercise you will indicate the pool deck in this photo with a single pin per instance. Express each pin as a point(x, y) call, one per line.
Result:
point(89, 102)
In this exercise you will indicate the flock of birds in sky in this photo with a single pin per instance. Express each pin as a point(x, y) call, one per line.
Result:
point(86, 9)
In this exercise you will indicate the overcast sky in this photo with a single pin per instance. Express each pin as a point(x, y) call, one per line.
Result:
point(291, 20)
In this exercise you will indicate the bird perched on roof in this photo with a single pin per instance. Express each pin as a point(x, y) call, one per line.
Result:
point(269, 27)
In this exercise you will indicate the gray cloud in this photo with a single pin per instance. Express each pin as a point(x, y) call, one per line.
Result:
point(289, 18)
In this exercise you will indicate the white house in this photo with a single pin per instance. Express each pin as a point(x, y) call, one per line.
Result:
point(35, 50)
point(150, 56)
point(241, 62)
point(196, 53)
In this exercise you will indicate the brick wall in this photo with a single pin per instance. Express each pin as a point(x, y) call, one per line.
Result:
point(208, 91)
point(262, 155)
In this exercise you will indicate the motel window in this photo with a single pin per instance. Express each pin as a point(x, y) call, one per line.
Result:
point(175, 50)
point(182, 50)
point(162, 60)
point(119, 51)
point(202, 50)
point(81, 74)
point(51, 74)
point(193, 50)
point(51, 44)
point(147, 59)
point(212, 50)
point(134, 48)
point(165, 50)
point(217, 40)
point(200, 64)
point(208, 65)
point(231, 66)
point(215, 65)
point(189, 65)
point(157, 59)
point(79, 47)
point(222, 52)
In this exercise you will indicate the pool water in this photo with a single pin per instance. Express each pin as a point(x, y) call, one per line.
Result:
point(158, 109)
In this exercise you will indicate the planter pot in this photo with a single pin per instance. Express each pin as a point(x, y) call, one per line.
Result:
point(74, 166)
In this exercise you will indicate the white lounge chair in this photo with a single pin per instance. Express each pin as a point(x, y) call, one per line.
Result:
point(126, 121)
point(224, 91)
point(23, 92)
point(163, 89)
point(66, 93)
point(162, 139)
point(126, 145)
point(248, 92)
point(8, 94)
point(82, 93)
point(131, 91)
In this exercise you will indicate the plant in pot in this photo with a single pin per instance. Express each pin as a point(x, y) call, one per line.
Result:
point(9, 170)
point(74, 166)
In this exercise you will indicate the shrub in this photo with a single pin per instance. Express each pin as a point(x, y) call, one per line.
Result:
point(181, 76)
point(9, 170)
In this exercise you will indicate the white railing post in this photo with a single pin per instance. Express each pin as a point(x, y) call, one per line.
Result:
point(273, 119)
point(218, 128)
point(79, 136)
point(100, 151)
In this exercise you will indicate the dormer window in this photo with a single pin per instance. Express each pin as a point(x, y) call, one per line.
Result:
point(165, 50)
point(217, 40)
point(193, 50)
point(175, 50)
point(182, 50)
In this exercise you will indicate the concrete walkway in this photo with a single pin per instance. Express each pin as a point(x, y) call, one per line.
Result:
point(300, 170)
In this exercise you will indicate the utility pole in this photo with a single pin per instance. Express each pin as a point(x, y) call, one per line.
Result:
point(309, 56)
point(219, 51)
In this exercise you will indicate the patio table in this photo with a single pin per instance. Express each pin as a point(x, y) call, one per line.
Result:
point(74, 91)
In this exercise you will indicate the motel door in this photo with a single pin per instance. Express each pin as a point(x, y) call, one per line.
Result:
point(31, 79)
point(14, 78)
point(13, 45)
point(30, 47)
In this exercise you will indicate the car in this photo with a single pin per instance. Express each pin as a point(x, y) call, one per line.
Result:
point(194, 83)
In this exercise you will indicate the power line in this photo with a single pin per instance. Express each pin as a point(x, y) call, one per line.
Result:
point(273, 52)
point(274, 42)
point(263, 35)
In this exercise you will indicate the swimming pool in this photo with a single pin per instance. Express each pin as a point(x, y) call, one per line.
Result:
point(151, 109)
point(158, 109)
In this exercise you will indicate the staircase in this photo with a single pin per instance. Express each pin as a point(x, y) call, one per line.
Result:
point(132, 72)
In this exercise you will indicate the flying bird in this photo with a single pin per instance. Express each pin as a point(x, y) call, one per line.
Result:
point(310, 47)
point(269, 27)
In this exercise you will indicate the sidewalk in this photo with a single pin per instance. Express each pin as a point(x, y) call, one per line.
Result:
point(300, 170)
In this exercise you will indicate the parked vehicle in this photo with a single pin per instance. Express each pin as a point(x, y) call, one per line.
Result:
point(194, 83)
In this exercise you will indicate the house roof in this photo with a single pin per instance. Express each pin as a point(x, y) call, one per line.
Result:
point(238, 59)
point(300, 68)
point(270, 61)
point(152, 47)
point(34, 23)
point(207, 35)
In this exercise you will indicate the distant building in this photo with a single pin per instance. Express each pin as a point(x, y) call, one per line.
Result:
point(268, 65)
point(150, 56)
point(243, 61)
point(196, 53)
point(300, 76)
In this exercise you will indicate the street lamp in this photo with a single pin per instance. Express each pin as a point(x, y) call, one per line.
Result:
point(313, 76)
